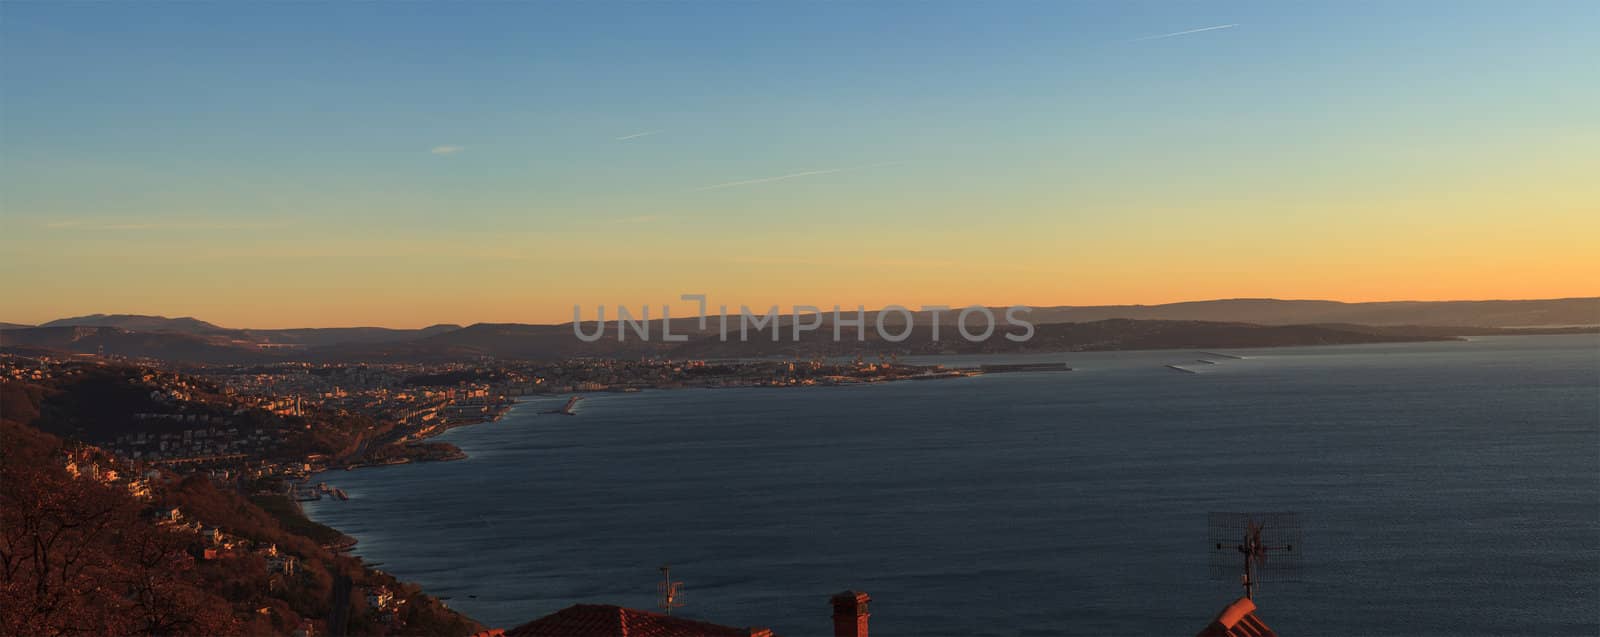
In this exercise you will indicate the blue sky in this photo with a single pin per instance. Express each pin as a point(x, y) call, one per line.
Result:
point(268, 143)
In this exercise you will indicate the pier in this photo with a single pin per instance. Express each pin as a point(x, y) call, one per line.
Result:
point(568, 409)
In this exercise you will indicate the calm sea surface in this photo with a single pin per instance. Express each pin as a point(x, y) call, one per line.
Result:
point(1444, 488)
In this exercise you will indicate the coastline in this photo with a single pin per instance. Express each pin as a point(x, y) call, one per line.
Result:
point(935, 371)
point(500, 409)
point(930, 372)
point(394, 544)
point(415, 441)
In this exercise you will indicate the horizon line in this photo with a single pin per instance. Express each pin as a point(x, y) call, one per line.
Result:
point(822, 310)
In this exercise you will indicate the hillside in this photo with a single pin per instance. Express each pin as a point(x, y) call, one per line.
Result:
point(138, 323)
point(304, 337)
point(198, 341)
point(328, 336)
point(1474, 314)
point(1113, 334)
point(551, 342)
point(1315, 322)
point(84, 556)
point(546, 342)
point(174, 346)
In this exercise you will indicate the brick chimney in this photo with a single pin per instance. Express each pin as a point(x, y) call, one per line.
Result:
point(850, 614)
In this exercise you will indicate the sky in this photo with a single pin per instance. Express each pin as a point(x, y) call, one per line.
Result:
point(324, 164)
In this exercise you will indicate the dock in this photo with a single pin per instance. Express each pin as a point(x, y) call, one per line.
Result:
point(568, 409)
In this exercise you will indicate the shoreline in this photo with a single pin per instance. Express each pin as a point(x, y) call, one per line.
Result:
point(533, 400)
point(943, 373)
point(501, 410)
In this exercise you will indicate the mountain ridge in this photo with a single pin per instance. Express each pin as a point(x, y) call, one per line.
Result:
point(1217, 323)
point(1565, 311)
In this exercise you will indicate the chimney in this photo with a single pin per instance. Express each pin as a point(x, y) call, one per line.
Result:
point(850, 614)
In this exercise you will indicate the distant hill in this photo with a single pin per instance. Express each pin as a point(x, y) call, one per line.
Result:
point(1219, 323)
point(514, 341)
point(1514, 313)
point(222, 346)
point(547, 342)
point(1476, 314)
point(1110, 334)
point(12, 326)
point(172, 346)
point(499, 340)
point(305, 337)
point(138, 323)
point(325, 336)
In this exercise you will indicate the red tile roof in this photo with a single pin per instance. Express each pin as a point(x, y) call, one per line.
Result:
point(596, 620)
point(1238, 620)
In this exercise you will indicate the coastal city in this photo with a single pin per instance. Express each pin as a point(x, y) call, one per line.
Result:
point(234, 417)
point(155, 434)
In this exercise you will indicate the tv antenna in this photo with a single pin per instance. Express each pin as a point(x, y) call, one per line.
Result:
point(669, 594)
point(1255, 547)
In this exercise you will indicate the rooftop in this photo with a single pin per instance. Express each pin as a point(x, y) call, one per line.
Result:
point(598, 620)
point(1238, 620)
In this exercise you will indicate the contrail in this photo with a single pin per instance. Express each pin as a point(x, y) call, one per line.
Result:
point(1173, 35)
point(808, 173)
point(635, 135)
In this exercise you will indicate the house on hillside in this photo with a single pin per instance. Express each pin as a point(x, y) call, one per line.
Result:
point(170, 515)
point(280, 563)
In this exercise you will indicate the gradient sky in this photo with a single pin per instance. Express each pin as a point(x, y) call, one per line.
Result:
point(290, 164)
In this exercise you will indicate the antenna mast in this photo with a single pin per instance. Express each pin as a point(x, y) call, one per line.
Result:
point(669, 594)
point(1242, 542)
